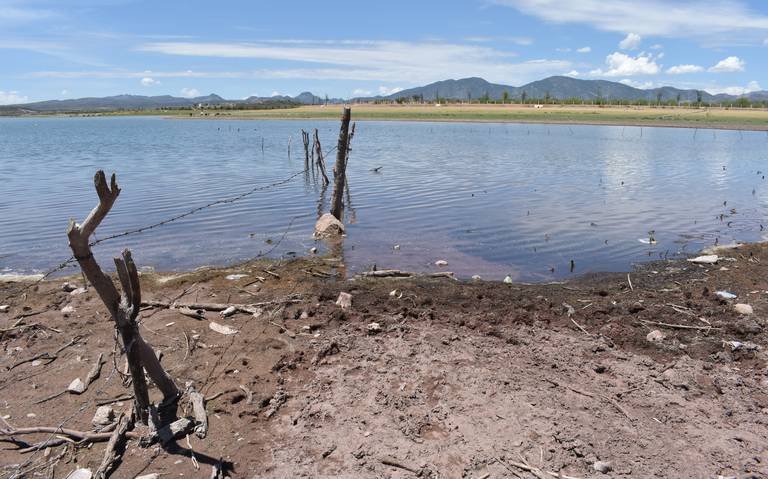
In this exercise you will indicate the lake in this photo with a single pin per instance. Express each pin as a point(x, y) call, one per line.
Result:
point(490, 199)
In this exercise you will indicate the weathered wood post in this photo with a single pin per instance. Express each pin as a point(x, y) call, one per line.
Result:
point(305, 140)
point(320, 160)
point(340, 168)
point(123, 309)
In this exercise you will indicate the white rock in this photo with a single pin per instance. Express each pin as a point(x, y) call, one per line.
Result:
point(5, 308)
point(221, 329)
point(104, 416)
point(328, 226)
point(313, 251)
point(68, 287)
point(77, 291)
point(602, 466)
point(36, 363)
point(67, 310)
point(80, 474)
point(476, 277)
point(374, 328)
point(655, 336)
point(345, 300)
point(441, 262)
point(235, 277)
point(228, 312)
point(508, 280)
point(706, 259)
point(76, 387)
point(744, 309)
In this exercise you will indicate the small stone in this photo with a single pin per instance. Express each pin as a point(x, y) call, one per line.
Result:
point(5, 308)
point(313, 251)
point(76, 387)
point(602, 466)
point(744, 309)
point(655, 336)
point(67, 310)
point(374, 328)
point(36, 363)
point(344, 301)
point(441, 262)
point(636, 307)
point(508, 280)
point(68, 287)
point(81, 473)
point(31, 415)
point(77, 291)
point(476, 277)
point(235, 277)
point(104, 415)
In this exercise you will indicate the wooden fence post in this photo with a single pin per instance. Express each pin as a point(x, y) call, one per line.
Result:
point(340, 168)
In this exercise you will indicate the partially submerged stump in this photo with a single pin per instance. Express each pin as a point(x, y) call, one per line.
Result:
point(123, 309)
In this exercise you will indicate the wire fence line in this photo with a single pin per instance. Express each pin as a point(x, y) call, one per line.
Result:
point(71, 260)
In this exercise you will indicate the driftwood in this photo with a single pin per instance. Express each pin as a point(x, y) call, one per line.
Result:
point(196, 309)
point(123, 309)
point(396, 273)
point(340, 167)
point(305, 140)
point(198, 411)
point(111, 455)
point(319, 158)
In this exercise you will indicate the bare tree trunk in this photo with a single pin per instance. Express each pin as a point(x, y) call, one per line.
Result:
point(340, 168)
point(305, 140)
point(320, 159)
point(125, 309)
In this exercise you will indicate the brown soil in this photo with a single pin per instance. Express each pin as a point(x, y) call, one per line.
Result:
point(461, 381)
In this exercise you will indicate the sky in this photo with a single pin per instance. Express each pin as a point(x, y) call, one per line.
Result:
point(77, 48)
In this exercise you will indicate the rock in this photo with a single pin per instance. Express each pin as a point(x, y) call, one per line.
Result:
point(441, 262)
point(221, 329)
point(706, 259)
point(5, 308)
point(235, 277)
point(328, 226)
point(745, 325)
point(313, 251)
point(374, 328)
point(228, 312)
point(76, 387)
point(476, 277)
point(744, 309)
point(104, 416)
point(67, 310)
point(81, 473)
point(68, 287)
point(738, 345)
point(77, 291)
point(725, 295)
point(602, 466)
point(508, 280)
point(636, 307)
point(655, 336)
point(344, 301)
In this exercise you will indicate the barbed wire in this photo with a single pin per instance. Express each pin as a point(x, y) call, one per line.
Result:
point(71, 260)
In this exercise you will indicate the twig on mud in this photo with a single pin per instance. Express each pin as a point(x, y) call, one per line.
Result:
point(613, 402)
point(219, 394)
point(679, 326)
point(580, 327)
point(391, 461)
point(629, 280)
point(47, 398)
point(126, 397)
point(540, 473)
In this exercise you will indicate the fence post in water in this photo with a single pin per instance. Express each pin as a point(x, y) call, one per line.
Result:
point(340, 168)
point(320, 161)
point(305, 140)
point(123, 308)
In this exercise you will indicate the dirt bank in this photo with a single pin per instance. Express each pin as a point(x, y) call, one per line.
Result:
point(455, 380)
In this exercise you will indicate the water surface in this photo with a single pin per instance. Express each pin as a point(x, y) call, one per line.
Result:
point(491, 199)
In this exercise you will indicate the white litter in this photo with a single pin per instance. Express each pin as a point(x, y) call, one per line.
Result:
point(221, 329)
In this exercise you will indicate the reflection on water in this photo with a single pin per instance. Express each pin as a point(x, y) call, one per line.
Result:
point(491, 199)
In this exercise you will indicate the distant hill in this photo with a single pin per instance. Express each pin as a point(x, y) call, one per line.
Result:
point(556, 87)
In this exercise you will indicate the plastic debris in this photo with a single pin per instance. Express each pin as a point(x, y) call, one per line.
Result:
point(725, 295)
point(221, 329)
point(706, 259)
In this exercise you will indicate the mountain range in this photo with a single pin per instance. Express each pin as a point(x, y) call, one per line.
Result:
point(556, 87)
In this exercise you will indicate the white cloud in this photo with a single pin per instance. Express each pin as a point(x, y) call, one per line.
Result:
point(572, 73)
point(563, 50)
point(623, 65)
point(631, 42)
point(386, 61)
point(729, 65)
point(276, 93)
point(11, 98)
point(679, 18)
point(148, 81)
point(64, 92)
point(361, 92)
point(765, 42)
point(11, 14)
point(683, 69)
point(384, 91)
point(735, 90)
point(636, 84)
point(656, 46)
point(189, 92)
point(584, 49)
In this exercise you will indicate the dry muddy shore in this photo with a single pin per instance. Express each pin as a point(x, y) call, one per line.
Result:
point(646, 375)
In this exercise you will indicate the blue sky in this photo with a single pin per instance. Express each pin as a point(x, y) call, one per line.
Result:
point(75, 48)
